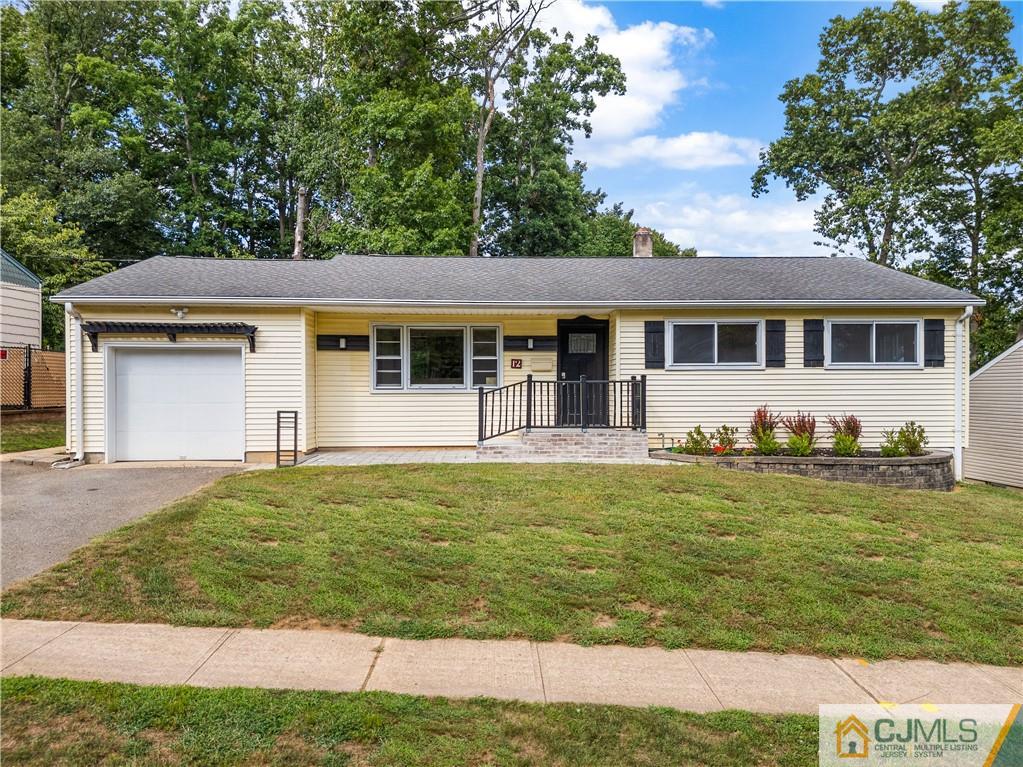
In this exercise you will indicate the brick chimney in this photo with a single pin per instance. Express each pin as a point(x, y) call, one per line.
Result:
point(642, 243)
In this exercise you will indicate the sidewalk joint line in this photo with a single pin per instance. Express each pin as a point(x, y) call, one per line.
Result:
point(377, 652)
point(213, 651)
point(539, 670)
point(854, 680)
point(75, 625)
point(980, 670)
point(706, 681)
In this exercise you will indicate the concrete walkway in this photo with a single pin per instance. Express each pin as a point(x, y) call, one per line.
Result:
point(691, 680)
point(390, 456)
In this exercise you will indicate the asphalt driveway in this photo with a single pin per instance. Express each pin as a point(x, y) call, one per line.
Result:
point(48, 513)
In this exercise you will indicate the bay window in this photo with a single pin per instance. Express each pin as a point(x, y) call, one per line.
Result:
point(723, 343)
point(458, 357)
point(873, 342)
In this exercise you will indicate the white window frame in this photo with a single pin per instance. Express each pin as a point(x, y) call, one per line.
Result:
point(873, 322)
point(402, 357)
point(669, 345)
point(406, 357)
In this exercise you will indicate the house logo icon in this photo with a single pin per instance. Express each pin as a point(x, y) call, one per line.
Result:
point(851, 739)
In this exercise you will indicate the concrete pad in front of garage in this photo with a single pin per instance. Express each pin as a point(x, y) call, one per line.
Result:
point(19, 638)
point(922, 681)
point(48, 513)
point(761, 682)
point(123, 652)
point(459, 668)
point(624, 676)
point(290, 659)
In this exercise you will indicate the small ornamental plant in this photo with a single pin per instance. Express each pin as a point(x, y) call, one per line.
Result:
point(762, 427)
point(845, 446)
point(891, 447)
point(697, 442)
point(724, 440)
point(845, 435)
point(802, 427)
point(913, 439)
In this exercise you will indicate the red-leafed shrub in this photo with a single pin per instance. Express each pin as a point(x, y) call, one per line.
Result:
point(801, 424)
point(849, 425)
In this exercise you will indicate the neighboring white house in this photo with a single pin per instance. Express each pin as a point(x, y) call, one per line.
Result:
point(996, 420)
point(192, 358)
point(21, 308)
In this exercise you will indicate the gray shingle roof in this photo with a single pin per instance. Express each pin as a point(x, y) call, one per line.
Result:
point(547, 281)
point(14, 272)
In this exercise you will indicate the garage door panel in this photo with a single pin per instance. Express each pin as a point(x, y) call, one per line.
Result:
point(173, 404)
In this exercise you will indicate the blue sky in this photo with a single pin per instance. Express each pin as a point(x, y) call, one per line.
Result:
point(704, 80)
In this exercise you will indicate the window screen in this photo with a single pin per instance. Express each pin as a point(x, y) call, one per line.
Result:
point(850, 342)
point(387, 363)
point(895, 342)
point(436, 356)
point(484, 357)
point(737, 342)
point(692, 344)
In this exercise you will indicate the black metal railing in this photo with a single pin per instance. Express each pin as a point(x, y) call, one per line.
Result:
point(581, 404)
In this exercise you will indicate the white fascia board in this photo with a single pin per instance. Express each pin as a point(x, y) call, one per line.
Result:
point(398, 305)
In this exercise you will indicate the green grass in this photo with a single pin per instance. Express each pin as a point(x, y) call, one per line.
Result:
point(673, 556)
point(58, 721)
point(20, 434)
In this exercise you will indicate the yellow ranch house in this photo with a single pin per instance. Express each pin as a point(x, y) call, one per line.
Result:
point(188, 359)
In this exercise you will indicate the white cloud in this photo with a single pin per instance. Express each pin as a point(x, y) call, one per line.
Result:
point(688, 151)
point(714, 3)
point(649, 53)
point(733, 225)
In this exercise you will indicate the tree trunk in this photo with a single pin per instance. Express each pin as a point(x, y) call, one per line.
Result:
point(477, 195)
point(298, 254)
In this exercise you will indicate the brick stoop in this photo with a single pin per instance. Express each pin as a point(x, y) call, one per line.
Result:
point(556, 445)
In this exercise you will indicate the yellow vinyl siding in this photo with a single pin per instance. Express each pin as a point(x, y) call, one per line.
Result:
point(308, 423)
point(678, 400)
point(996, 421)
point(21, 320)
point(274, 375)
point(350, 414)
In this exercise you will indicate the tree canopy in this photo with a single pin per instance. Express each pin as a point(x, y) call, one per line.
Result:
point(911, 128)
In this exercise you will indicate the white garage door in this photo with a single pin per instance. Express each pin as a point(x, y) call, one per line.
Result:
point(179, 404)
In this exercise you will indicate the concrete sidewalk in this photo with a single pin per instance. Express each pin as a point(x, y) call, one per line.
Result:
point(691, 680)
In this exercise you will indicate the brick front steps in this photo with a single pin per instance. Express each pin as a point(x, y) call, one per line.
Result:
point(926, 472)
point(559, 445)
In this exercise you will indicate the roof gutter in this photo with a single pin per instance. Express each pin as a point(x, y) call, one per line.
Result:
point(392, 304)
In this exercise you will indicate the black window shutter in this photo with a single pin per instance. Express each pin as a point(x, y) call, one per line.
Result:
point(654, 343)
point(775, 332)
point(813, 343)
point(934, 343)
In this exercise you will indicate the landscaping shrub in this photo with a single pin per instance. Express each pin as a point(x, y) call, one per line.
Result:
point(762, 427)
point(912, 438)
point(846, 446)
point(800, 444)
point(845, 434)
point(849, 425)
point(724, 440)
point(891, 445)
point(697, 442)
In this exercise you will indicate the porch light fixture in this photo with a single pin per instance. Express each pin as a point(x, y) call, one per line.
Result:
point(529, 344)
point(342, 343)
point(180, 312)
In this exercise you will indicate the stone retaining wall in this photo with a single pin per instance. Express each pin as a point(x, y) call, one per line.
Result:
point(926, 472)
point(568, 445)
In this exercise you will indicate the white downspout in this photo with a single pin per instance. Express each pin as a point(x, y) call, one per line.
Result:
point(78, 421)
point(960, 410)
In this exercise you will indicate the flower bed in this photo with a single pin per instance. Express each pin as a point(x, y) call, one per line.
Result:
point(931, 471)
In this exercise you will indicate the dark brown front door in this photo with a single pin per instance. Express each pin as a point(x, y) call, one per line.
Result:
point(582, 351)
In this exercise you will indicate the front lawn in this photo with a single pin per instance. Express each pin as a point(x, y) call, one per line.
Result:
point(675, 556)
point(63, 722)
point(24, 434)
